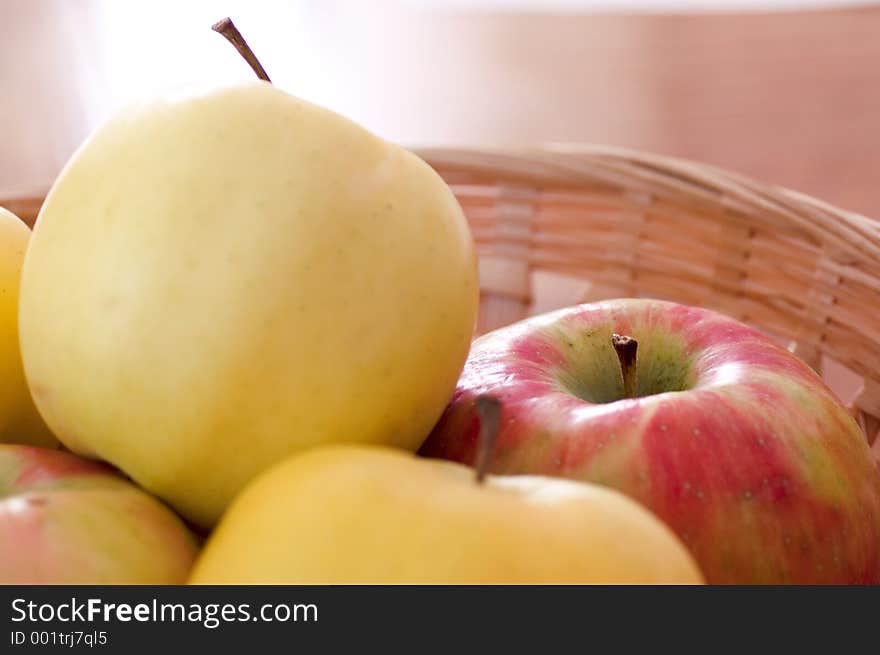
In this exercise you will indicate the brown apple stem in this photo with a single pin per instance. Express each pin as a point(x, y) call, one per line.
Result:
point(230, 31)
point(489, 410)
point(626, 348)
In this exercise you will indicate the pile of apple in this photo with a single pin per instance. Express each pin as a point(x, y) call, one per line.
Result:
point(242, 314)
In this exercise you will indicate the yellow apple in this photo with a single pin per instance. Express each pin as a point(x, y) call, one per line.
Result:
point(372, 515)
point(19, 420)
point(221, 279)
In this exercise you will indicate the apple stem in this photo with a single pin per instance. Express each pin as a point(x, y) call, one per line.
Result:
point(489, 410)
point(230, 31)
point(626, 348)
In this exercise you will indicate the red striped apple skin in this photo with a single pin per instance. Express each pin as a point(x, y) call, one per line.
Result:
point(753, 461)
point(68, 520)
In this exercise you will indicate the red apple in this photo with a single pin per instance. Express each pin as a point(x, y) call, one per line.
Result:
point(68, 520)
point(734, 442)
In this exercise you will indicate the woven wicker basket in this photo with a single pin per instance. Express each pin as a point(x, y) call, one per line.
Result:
point(630, 224)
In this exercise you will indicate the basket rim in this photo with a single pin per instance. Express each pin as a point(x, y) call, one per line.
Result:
point(681, 181)
point(678, 180)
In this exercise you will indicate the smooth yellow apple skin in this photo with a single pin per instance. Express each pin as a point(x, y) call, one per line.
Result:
point(372, 515)
point(19, 420)
point(218, 280)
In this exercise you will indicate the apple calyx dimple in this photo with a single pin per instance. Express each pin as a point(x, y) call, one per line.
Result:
point(231, 33)
point(626, 348)
point(489, 410)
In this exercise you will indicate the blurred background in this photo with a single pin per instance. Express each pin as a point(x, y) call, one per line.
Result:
point(786, 92)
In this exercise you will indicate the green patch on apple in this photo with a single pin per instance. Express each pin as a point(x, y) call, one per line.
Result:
point(592, 370)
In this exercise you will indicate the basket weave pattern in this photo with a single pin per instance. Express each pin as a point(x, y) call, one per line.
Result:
point(638, 225)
